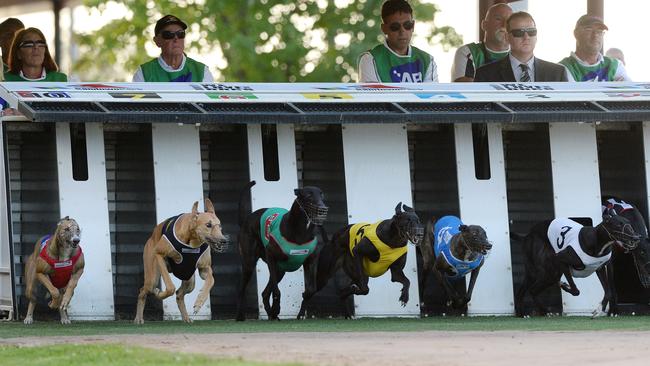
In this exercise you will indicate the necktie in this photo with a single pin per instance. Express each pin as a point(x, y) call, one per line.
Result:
point(525, 76)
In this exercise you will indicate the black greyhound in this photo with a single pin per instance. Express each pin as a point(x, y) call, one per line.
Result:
point(640, 254)
point(285, 240)
point(563, 247)
point(452, 250)
point(368, 250)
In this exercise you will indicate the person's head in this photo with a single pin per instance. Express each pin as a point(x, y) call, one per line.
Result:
point(589, 32)
point(616, 53)
point(170, 35)
point(29, 49)
point(7, 30)
point(522, 35)
point(494, 24)
point(397, 24)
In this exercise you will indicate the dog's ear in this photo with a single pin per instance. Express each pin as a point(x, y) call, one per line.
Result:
point(209, 207)
point(195, 208)
point(407, 209)
point(463, 228)
point(398, 208)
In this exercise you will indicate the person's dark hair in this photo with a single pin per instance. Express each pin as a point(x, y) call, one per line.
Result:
point(11, 23)
point(391, 7)
point(518, 15)
point(16, 65)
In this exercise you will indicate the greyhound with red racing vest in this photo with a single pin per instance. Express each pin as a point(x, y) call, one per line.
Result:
point(57, 263)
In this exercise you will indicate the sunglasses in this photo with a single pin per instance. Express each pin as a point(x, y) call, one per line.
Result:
point(532, 32)
point(170, 35)
point(32, 44)
point(408, 25)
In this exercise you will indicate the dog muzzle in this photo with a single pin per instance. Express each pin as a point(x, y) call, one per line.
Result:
point(219, 245)
point(627, 241)
point(415, 233)
point(316, 214)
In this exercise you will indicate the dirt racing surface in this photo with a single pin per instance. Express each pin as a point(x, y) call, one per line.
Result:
point(396, 348)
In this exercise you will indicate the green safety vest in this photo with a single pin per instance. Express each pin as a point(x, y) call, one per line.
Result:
point(400, 69)
point(49, 76)
point(603, 71)
point(192, 71)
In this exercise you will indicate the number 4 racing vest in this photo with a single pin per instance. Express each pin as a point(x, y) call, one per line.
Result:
point(62, 270)
point(563, 233)
point(297, 253)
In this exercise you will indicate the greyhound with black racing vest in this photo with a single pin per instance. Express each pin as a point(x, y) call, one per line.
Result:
point(452, 250)
point(285, 240)
point(57, 263)
point(640, 254)
point(564, 247)
point(181, 245)
point(366, 250)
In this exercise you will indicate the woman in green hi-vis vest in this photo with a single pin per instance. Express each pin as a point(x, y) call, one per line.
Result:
point(30, 59)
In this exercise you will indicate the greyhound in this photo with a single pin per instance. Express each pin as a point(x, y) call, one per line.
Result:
point(452, 250)
point(564, 247)
point(58, 263)
point(180, 245)
point(640, 254)
point(285, 240)
point(368, 250)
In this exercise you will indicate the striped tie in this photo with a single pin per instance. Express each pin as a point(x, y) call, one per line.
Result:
point(525, 76)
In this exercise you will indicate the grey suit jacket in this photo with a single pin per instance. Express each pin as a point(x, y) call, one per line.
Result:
point(501, 71)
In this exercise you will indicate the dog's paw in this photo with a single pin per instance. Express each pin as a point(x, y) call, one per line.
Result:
point(28, 320)
point(138, 320)
point(65, 321)
point(187, 320)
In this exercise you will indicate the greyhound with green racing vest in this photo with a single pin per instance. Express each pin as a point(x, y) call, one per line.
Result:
point(285, 240)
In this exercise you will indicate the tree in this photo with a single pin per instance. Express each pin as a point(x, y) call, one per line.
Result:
point(259, 40)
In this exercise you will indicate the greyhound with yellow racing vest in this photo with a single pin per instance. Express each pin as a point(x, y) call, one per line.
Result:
point(366, 250)
point(181, 245)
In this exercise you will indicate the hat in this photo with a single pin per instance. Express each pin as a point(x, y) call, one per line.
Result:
point(167, 20)
point(590, 20)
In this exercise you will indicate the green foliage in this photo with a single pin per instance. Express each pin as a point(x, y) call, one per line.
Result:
point(107, 355)
point(261, 40)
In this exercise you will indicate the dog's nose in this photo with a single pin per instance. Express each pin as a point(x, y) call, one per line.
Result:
point(75, 240)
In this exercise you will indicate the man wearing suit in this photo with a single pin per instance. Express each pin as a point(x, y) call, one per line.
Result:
point(521, 65)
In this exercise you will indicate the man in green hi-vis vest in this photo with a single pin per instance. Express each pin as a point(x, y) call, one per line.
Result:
point(396, 61)
point(494, 47)
point(172, 65)
point(587, 63)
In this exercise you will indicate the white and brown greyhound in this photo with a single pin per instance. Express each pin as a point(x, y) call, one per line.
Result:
point(57, 263)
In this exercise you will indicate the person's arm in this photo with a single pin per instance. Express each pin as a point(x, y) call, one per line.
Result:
point(462, 58)
point(367, 70)
point(138, 77)
point(621, 73)
point(207, 75)
point(432, 72)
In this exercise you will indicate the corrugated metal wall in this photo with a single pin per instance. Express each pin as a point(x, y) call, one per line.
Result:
point(132, 213)
point(530, 195)
point(434, 184)
point(319, 154)
point(34, 200)
point(622, 173)
point(225, 165)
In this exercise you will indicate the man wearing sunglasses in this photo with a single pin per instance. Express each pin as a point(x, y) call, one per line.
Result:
point(396, 61)
point(494, 47)
point(587, 63)
point(521, 65)
point(172, 65)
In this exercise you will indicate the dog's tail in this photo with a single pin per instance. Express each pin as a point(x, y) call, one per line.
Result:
point(244, 197)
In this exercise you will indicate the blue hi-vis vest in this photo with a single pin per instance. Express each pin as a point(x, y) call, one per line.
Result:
point(443, 231)
point(184, 270)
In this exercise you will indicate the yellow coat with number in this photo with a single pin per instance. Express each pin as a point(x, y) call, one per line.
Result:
point(387, 255)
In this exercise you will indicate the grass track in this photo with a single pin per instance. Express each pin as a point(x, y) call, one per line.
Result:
point(105, 355)
point(624, 323)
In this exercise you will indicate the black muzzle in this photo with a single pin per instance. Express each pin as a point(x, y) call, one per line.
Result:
point(316, 214)
point(628, 239)
point(415, 233)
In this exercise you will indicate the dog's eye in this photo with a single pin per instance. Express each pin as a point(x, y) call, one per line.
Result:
point(209, 225)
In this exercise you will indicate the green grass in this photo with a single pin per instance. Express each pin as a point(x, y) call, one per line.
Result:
point(52, 328)
point(108, 354)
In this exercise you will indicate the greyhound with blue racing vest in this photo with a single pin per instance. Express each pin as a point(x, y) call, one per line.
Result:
point(181, 245)
point(366, 250)
point(452, 250)
point(285, 240)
